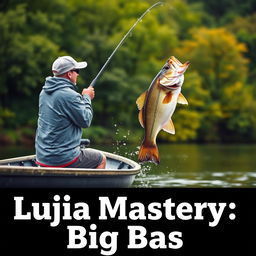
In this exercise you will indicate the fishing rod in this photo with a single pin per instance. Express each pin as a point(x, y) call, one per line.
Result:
point(121, 42)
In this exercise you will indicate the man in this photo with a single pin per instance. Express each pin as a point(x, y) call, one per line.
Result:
point(62, 114)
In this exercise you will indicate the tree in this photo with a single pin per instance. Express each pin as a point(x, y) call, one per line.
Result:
point(34, 33)
point(245, 31)
point(217, 57)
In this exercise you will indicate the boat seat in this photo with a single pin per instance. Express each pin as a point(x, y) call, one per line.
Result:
point(123, 165)
point(24, 163)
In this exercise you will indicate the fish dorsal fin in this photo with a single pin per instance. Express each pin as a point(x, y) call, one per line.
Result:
point(168, 97)
point(182, 99)
point(140, 116)
point(140, 101)
point(169, 127)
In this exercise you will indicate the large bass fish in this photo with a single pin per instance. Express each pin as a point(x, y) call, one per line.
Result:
point(157, 105)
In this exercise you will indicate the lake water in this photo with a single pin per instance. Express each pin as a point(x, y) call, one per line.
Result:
point(185, 165)
point(202, 166)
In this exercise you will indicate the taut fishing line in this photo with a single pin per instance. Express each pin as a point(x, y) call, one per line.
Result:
point(121, 42)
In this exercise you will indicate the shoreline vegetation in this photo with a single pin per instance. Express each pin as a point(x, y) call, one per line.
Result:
point(219, 40)
point(98, 136)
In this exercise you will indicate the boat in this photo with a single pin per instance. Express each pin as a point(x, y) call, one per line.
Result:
point(23, 172)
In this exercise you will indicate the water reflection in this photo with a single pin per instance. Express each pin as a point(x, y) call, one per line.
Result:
point(203, 179)
point(201, 166)
point(185, 165)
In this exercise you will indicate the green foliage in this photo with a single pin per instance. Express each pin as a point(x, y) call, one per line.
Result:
point(217, 37)
point(245, 30)
point(223, 70)
point(226, 9)
point(7, 117)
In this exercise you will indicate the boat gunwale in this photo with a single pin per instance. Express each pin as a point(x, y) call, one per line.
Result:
point(52, 171)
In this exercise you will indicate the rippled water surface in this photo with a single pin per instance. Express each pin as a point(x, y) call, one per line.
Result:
point(201, 166)
point(186, 165)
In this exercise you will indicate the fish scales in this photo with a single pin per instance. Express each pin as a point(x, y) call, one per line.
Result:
point(157, 106)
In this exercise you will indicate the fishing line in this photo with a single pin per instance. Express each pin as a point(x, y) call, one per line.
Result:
point(121, 42)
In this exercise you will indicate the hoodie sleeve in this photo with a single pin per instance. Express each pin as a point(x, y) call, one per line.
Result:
point(79, 110)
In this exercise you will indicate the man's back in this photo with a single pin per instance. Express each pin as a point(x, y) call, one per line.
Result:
point(62, 114)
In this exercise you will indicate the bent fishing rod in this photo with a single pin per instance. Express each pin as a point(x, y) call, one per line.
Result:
point(121, 42)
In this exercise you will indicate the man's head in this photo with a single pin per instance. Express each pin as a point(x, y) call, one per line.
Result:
point(67, 67)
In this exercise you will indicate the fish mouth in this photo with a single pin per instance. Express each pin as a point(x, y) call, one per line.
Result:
point(175, 86)
point(173, 73)
point(177, 65)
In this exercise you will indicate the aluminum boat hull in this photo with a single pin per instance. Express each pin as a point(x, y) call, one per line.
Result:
point(22, 172)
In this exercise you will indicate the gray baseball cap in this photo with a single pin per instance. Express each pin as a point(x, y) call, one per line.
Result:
point(66, 63)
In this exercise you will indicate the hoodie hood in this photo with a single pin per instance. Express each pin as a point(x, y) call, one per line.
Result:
point(55, 83)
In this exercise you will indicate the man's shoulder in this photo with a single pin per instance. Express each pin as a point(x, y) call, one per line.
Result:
point(68, 92)
point(68, 96)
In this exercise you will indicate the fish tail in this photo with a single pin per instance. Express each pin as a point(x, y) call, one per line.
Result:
point(149, 153)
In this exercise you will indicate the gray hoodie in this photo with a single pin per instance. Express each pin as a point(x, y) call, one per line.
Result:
point(62, 114)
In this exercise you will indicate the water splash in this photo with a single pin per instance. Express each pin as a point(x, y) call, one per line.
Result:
point(121, 142)
point(121, 148)
point(141, 180)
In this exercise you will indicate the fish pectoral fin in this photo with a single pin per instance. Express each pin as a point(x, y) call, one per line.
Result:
point(169, 127)
point(168, 97)
point(140, 101)
point(141, 118)
point(182, 99)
